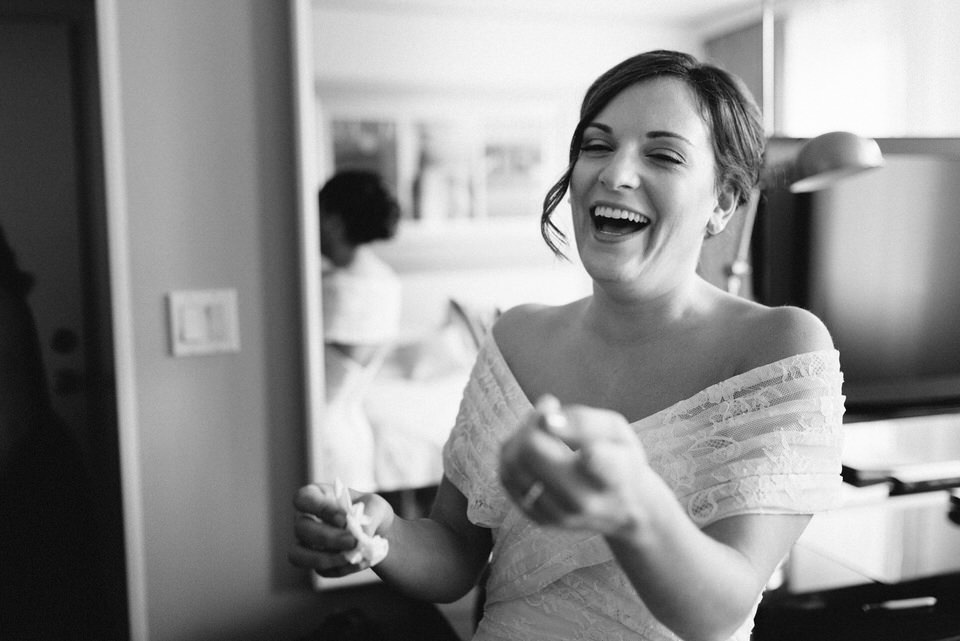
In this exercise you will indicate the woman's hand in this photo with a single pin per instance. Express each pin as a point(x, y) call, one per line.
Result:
point(323, 540)
point(579, 467)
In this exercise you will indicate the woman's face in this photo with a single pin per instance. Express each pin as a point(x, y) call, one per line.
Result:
point(643, 188)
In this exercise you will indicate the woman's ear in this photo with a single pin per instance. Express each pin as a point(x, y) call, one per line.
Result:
point(726, 206)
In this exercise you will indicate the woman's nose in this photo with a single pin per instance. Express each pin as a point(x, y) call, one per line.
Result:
point(621, 172)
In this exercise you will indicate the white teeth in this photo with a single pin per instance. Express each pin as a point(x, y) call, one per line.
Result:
point(610, 212)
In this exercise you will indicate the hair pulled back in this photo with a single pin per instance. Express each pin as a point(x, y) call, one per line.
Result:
point(365, 204)
point(729, 110)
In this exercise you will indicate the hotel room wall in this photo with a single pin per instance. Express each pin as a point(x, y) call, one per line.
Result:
point(209, 179)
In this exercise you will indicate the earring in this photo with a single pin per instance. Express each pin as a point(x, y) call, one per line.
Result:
point(714, 227)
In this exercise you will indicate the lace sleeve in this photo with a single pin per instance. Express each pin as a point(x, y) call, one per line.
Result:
point(765, 442)
point(492, 407)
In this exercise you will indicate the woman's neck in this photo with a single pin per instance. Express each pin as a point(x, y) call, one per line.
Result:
point(616, 316)
point(341, 255)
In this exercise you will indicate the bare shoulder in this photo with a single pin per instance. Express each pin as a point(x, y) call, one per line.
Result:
point(773, 333)
point(527, 336)
point(518, 326)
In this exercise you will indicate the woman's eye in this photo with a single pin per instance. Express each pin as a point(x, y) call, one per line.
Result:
point(666, 157)
point(594, 147)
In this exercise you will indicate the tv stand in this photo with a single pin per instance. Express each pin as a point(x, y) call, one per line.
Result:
point(919, 610)
point(886, 565)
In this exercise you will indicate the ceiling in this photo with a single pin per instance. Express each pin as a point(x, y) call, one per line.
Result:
point(700, 15)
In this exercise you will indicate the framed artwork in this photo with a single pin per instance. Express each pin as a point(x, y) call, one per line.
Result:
point(515, 173)
point(366, 144)
point(449, 159)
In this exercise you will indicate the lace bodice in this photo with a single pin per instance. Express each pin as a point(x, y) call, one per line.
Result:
point(764, 441)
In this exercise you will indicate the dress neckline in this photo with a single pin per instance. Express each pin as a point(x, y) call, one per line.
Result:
point(756, 374)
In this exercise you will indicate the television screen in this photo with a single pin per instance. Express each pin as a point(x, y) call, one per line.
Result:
point(877, 258)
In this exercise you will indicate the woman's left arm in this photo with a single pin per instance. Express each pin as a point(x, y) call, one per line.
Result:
point(593, 475)
point(703, 584)
point(589, 471)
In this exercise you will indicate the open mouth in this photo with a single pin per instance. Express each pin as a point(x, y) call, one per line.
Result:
point(617, 222)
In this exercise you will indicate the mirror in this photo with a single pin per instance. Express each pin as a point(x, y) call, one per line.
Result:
point(485, 97)
point(388, 82)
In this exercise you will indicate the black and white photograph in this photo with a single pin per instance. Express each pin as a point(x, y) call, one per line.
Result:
point(479, 320)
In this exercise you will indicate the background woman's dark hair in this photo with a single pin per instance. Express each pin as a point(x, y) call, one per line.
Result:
point(727, 107)
point(365, 204)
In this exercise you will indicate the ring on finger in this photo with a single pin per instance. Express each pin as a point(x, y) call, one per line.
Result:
point(532, 495)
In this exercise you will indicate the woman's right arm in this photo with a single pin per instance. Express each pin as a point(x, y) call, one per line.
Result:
point(437, 559)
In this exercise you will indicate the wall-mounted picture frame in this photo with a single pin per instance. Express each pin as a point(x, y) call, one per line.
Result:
point(366, 144)
point(451, 159)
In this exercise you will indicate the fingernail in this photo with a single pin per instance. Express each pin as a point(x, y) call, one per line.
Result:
point(552, 418)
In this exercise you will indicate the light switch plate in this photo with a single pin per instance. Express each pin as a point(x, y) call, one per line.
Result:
point(203, 322)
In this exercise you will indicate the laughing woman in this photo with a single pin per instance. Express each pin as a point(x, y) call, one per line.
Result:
point(688, 435)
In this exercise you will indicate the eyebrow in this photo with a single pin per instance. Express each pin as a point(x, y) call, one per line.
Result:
point(658, 133)
point(668, 134)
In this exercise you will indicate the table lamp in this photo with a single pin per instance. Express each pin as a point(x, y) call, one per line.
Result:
point(819, 163)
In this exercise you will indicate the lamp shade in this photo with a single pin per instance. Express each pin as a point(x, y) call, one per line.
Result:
point(830, 157)
point(820, 162)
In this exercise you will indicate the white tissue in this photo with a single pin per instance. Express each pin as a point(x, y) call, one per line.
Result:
point(369, 548)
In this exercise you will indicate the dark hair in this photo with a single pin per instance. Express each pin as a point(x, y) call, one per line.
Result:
point(727, 106)
point(13, 280)
point(365, 204)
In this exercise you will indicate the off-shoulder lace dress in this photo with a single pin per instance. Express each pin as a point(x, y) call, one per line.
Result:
point(766, 441)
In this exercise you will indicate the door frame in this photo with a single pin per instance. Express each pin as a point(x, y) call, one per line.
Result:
point(108, 47)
